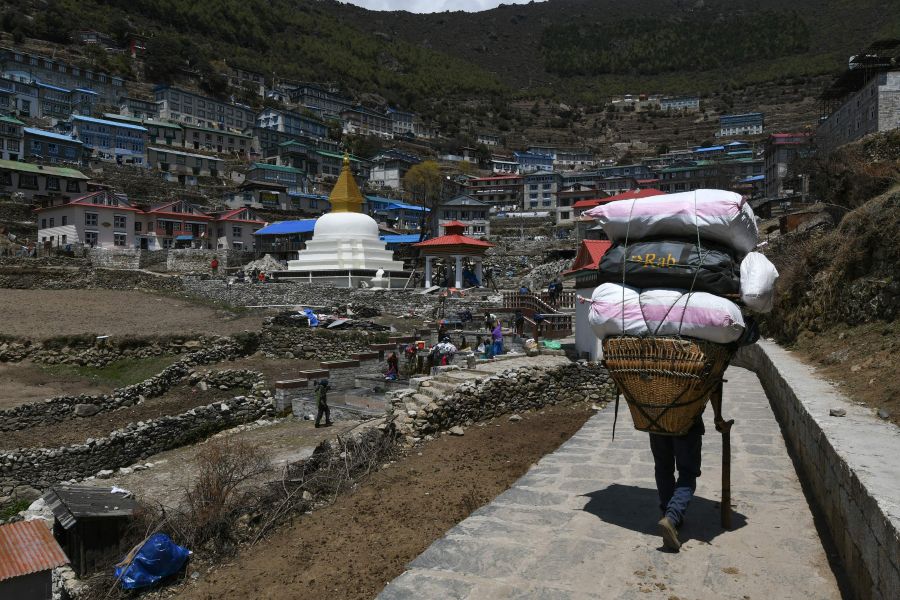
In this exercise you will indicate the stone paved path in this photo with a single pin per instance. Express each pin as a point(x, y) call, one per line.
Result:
point(582, 524)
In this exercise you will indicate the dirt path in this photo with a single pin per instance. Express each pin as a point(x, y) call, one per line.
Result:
point(352, 548)
point(40, 314)
point(76, 430)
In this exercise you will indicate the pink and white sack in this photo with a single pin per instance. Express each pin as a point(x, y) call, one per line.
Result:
point(717, 215)
point(624, 310)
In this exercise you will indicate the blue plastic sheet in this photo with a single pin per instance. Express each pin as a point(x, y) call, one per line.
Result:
point(313, 319)
point(159, 557)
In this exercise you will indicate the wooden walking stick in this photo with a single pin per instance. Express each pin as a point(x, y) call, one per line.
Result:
point(724, 427)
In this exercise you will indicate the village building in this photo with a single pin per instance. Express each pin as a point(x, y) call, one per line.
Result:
point(676, 103)
point(743, 124)
point(122, 143)
point(177, 224)
point(19, 98)
point(864, 99)
point(138, 108)
point(40, 182)
point(283, 240)
point(389, 168)
point(291, 123)
point(28, 555)
point(49, 147)
point(179, 105)
point(245, 79)
point(504, 164)
point(363, 121)
point(258, 194)
point(98, 220)
point(473, 214)
point(539, 191)
point(568, 197)
point(784, 174)
point(24, 66)
point(220, 141)
point(293, 179)
point(402, 122)
point(320, 100)
point(488, 139)
point(502, 192)
point(529, 162)
point(235, 229)
point(12, 134)
point(184, 167)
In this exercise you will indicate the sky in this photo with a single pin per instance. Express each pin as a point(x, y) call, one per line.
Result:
point(429, 6)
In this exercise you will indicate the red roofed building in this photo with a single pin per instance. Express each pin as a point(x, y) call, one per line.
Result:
point(28, 555)
point(456, 246)
point(234, 229)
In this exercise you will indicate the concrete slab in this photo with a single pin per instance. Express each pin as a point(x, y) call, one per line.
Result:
point(582, 524)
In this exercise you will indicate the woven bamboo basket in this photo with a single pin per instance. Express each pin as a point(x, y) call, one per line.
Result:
point(666, 381)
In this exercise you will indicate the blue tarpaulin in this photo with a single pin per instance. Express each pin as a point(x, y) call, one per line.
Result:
point(159, 557)
point(184, 238)
point(313, 319)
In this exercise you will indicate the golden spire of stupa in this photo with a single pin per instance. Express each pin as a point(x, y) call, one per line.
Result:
point(345, 195)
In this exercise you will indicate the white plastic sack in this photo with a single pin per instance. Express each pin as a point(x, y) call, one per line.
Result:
point(719, 215)
point(660, 311)
point(758, 277)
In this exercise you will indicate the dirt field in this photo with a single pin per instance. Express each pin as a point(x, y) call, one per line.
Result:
point(860, 360)
point(41, 314)
point(76, 430)
point(352, 548)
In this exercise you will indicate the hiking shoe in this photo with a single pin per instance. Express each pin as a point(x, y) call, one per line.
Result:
point(669, 534)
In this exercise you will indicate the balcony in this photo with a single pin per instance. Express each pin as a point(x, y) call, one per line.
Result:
point(162, 232)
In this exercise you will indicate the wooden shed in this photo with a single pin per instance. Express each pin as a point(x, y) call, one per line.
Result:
point(90, 523)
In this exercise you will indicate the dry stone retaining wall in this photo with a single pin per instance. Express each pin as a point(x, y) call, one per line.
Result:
point(87, 350)
point(312, 343)
point(510, 391)
point(59, 409)
point(42, 467)
point(51, 278)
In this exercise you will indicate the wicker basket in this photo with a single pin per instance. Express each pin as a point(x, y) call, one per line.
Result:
point(666, 381)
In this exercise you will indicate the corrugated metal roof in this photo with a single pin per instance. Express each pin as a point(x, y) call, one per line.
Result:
point(288, 227)
point(28, 547)
point(71, 502)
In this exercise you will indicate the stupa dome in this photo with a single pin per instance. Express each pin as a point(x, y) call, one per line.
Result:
point(345, 226)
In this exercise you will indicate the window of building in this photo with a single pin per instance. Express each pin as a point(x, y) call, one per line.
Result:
point(137, 226)
point(90, 219)
point(119, 221)
point(5, 178)
point(28, 181)
point(53, 184)
point(564, 216)
point(237, 245)
point(90, 238)
point(72, 186)
point(43, 223)
point(236, 231)
point(119, 239)
point(65, 220)
point(36, 147)
point(12, 144)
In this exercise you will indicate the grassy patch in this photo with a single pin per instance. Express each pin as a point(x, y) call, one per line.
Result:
point(116, 374)
point(14, 508)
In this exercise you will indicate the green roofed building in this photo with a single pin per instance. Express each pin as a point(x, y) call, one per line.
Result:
point(41, 183)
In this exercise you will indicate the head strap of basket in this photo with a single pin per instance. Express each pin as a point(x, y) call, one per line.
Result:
point(666, 380)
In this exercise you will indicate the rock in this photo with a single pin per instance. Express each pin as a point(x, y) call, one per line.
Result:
point(837, 412)
point(856, 368)
point(224, 407)
point(515, 418)
point(457, 430)
point(883, 414)
point(307, 495)
point(192, 344)
point(26, 493)
point(203, 386)
point(104, 474)
point(86, 410)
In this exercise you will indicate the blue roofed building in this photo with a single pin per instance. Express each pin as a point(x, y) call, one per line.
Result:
point(123, 143)
point(398, 215)
point(285, 238)
point(51, 147)
point(743, 124)
point(529, 162)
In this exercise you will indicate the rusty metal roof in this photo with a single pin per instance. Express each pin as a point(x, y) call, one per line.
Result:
point(72, 502)
point(28, 547)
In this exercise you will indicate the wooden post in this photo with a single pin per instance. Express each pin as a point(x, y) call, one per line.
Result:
point(724, 427)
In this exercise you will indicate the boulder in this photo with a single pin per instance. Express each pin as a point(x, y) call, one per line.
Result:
point(86, 410)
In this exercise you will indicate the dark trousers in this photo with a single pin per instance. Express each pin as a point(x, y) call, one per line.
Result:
point(323, 410)
point(681, 452)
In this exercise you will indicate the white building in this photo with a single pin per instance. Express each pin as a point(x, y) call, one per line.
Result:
point(99, 220)
point(675, 103)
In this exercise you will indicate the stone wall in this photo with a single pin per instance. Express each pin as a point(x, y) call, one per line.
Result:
point(125, 258)
point(513, 390)
point(50, 278)
point(197, 261)
point(846, 461)
point(61, 408)
point(42, 467)
point(315, 344)
point(87, 350)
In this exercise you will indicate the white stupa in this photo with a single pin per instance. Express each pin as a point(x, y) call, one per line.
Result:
point(346, 248)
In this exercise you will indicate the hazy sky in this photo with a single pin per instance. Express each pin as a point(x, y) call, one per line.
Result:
point(427, 6)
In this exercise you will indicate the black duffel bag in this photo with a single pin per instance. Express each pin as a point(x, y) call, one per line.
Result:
point(677, 264)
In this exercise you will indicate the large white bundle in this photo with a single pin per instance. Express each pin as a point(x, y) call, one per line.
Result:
point(719, 216)
point(617, 310)
point(758, 277)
